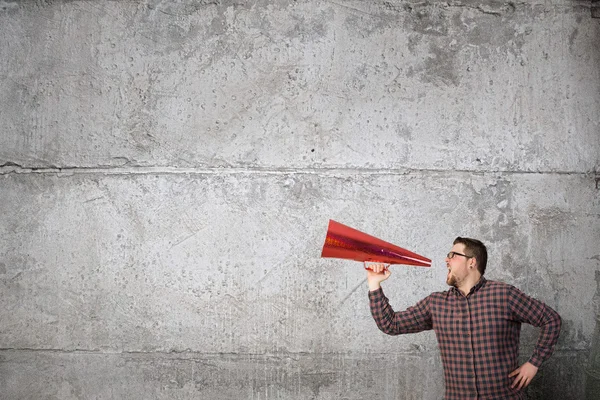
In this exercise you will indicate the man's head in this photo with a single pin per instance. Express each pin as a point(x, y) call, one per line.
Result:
point(468, 256)
point(477, 250)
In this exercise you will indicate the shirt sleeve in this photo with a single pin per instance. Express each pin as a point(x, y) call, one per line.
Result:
point(414, 319)
point(534, 312)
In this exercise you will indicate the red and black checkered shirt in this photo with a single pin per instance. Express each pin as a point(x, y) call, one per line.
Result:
point(478, 334)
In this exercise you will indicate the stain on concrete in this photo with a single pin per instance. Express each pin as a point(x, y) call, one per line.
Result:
point(499, 194)
point(318, 380)
point(431, 21)
point(440, 67)
point(303, 192)
point(309, 28)
point(596, 306)
point(571, 333)
point(573, 36)
point(9, 7)
point(365, 25)
point(551, 218)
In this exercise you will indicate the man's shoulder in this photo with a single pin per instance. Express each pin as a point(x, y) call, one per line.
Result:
point(497, 285)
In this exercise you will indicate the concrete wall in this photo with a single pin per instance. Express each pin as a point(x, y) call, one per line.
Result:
point(168, 170)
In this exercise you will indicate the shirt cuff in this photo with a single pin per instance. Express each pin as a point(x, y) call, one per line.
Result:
point(535, 361)
point(376, 294)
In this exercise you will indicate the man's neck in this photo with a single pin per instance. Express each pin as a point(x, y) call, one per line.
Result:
point(469, 283)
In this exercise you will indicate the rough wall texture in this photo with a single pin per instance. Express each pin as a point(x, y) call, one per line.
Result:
point(168, 169)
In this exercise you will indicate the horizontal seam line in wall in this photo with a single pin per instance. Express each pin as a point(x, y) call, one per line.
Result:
point(200, 354)
point(196, 353)
point(269, 171)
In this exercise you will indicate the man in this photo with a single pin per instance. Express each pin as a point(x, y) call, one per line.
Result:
point(477, 324)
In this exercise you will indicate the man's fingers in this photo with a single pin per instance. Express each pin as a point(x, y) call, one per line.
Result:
point(378, 268)
point(516, 381)
point(524, 375)
point(523, 383)
point(520, 382)
point(373, 268)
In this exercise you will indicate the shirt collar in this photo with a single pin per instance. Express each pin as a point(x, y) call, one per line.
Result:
point(474, 289)
point(479, 285)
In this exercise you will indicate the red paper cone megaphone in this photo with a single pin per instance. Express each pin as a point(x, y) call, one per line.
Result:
point(350, 244)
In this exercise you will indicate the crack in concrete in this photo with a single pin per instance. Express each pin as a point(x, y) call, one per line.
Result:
point(10, 164)
point(409, 7)
point(352, 291)
point(501, 7)
point(508, 7)
point(497, 9)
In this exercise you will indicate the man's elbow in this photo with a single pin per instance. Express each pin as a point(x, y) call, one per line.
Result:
point(556, 318)
point(388, 329)
point(558, 322)
point(554, 321)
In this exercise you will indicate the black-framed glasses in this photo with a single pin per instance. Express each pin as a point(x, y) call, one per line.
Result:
point(454, 253)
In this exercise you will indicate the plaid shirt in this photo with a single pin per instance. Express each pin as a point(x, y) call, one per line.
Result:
point(478, 334)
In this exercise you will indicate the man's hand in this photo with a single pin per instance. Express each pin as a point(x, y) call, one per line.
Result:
point(524, 375)
point(376, 273)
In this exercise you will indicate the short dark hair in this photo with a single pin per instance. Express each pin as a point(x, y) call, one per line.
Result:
point(475, 248)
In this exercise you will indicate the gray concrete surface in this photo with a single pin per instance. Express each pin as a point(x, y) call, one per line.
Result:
point(168, 169)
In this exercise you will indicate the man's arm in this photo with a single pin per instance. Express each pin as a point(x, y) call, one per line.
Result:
point(534, 312)
point(538, 314)
point(412, 320)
